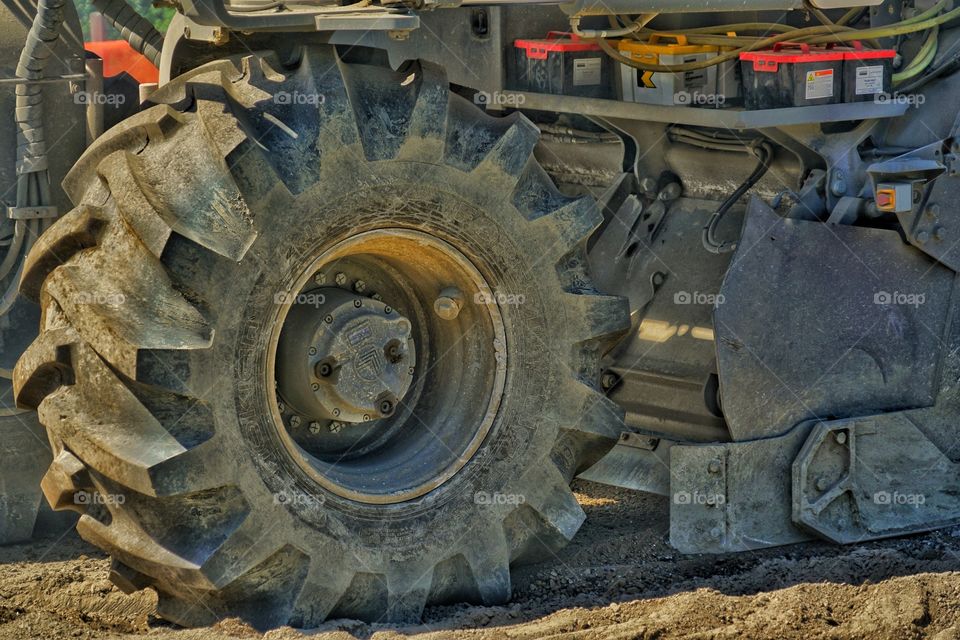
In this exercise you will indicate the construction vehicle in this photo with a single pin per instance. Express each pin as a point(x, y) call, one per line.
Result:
point(328, 325)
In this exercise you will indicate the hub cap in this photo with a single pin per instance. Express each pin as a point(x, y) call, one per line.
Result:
point(346, 358)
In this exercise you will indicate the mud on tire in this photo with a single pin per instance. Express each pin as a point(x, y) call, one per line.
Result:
point(159, 296)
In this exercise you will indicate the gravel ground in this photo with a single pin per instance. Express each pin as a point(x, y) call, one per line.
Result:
point(619, 579)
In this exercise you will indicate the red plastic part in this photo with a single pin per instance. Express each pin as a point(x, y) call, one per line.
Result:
point(769, 60)
point(556, 41)
point(119, 57)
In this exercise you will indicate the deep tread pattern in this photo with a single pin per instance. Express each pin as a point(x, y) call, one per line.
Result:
point(120, 279)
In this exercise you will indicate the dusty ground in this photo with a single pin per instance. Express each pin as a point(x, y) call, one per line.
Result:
point(619, 580)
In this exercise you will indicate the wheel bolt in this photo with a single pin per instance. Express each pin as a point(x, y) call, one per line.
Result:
point(324, 369)
point(386, 407)
point(393, 352)
point(448, 303)
point(340, 279)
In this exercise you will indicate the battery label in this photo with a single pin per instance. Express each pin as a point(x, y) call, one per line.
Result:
point(819, 84)
point(869, 80)
point(696, 79)
point(586, 71)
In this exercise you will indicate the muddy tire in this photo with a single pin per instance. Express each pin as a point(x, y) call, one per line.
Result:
point(200, 226)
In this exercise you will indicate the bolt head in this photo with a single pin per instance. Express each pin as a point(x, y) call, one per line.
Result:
point(714, 466)
point(446, 308)
point(840, 437)
point(320, 277)
point(340, 279)
point(923, 237)
point(295, 421)
point(314, 427)
point(359, 286)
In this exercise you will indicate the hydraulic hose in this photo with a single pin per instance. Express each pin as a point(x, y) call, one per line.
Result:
point(923, 59)
point(764, 154)
point(133, 27)
point(31, 142)
point(822, 34)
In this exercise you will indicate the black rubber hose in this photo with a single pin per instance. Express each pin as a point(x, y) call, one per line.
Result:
point(133, 27)
point(764, 154)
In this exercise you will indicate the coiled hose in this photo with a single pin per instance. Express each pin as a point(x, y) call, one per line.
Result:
point(133, 27)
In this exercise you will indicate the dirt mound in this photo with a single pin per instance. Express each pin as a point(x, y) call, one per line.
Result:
point(619, 579)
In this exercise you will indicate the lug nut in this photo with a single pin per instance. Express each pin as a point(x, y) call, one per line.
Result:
point(324, 369)
point(448, 303)
point(340, 279)
point(386, 407)
point(393, 352)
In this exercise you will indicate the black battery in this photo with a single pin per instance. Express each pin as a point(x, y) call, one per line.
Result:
point(563, 64)
point(791, 75)
point(867, 73)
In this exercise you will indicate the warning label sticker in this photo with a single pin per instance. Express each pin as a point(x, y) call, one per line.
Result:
point(869, 80)
point(586, 71)
point(819, 84)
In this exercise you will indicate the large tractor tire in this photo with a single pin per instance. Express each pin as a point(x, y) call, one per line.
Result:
point(317, 341)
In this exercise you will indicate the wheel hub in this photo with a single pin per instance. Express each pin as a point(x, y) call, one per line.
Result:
point(345, 357)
